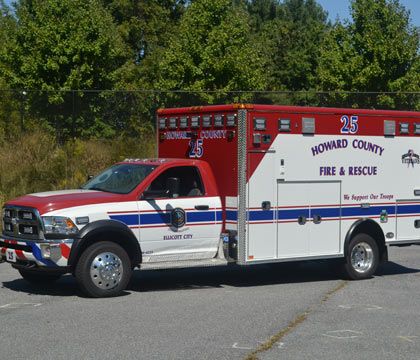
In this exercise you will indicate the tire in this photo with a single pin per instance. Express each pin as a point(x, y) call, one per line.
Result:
point(362, 257)
point(103, 270)
point(38, 278)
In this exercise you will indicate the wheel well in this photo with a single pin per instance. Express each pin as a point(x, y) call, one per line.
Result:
point(369, 227)
point(131, 248)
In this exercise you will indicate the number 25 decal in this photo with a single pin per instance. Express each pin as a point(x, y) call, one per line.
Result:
point(350, 125)
point(196, 148)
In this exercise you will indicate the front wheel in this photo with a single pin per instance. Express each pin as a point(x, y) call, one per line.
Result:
point(362, 258)
point(103, 270)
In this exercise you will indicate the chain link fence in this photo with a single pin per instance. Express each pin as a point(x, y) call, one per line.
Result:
point(98, 114)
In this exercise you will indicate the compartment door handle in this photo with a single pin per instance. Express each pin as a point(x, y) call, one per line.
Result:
point(201, 207)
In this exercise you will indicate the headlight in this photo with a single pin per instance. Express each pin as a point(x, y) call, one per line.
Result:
point(59, 225)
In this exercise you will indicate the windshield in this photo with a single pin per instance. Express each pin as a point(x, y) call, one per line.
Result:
point(119, 179)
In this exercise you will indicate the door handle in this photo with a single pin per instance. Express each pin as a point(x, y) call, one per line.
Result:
point(317, 219)
point(302, 220)
point(201, 207)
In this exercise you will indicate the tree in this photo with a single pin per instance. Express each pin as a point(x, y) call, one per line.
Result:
point(146, 27)
point(377, 52)
point(63, 45)
point(212, 51)
point(291, 41)
point(9, 102)
point(263, 11)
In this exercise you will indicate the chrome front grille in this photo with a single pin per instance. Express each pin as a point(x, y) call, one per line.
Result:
point(22, 222)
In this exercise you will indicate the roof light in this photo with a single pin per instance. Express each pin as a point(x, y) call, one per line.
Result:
point(195, 121)
point(207, 121)
point(284, 125)
point(162, 123)
point(218, 120)
point(183, 122)
point(231, 120)
point(259, 124)
point(172, 122)
point(404, 128)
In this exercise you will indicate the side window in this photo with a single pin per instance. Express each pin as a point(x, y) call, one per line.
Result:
point(190, 183)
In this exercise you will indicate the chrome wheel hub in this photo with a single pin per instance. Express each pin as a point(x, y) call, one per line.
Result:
point(106, 270)
point(362, 257)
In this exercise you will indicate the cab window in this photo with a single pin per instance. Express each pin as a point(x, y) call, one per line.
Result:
point(190, 183)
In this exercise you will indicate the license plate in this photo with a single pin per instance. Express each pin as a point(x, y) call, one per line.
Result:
point(10, 255)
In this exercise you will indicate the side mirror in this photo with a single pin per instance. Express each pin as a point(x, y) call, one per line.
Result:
point(89, 177)
point(172, 185)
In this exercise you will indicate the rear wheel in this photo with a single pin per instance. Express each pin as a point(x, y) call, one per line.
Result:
point(362, 258)
point(103, 270)
point(37, 277)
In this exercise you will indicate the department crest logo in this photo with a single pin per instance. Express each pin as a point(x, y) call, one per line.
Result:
point(178, 218)
point(410, 158)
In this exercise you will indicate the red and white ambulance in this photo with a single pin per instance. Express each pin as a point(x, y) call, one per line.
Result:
point(245, 184)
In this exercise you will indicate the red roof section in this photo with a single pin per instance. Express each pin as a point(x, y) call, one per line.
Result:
point(284, 108)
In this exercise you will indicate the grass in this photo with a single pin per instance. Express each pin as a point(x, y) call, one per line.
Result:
point(36, 162)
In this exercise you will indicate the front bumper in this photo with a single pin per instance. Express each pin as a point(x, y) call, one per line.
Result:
point(41, 254)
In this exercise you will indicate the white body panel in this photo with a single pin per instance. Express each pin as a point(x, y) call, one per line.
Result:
point(330, 182)
point(150, 222)
point(197, 239)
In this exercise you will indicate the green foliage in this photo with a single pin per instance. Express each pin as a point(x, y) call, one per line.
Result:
point(62, 45)
point(377, 52)
point(212, 51)
point(290, 40)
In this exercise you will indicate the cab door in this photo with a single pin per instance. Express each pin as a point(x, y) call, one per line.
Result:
point(180, 226)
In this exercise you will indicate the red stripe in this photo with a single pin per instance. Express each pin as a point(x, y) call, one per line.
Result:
point(20, 255)
point(65, 250)
point(410, 215)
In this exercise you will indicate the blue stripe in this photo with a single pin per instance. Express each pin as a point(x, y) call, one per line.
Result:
point(129, 219)
point(201, 216)
point(408, 209)
point(292, 214)
point(155, 219)
point(36, 251)
point(370, 211)
point(326, 212)
point(163, 218)
point(231, 215)
point(261, 215)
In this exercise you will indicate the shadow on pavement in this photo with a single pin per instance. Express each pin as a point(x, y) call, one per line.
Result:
point(212, 277)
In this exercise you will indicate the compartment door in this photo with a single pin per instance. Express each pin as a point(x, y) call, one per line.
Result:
point(408, 221)
point(293, 219)
point(325, 217)
point(261, 229)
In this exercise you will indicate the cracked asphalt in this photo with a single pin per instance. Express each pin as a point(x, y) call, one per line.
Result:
point(279, 311)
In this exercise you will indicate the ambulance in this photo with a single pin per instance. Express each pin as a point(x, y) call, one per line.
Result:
point(231, 184)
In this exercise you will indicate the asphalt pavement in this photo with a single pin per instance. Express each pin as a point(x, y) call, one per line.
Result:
point(282, 311)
